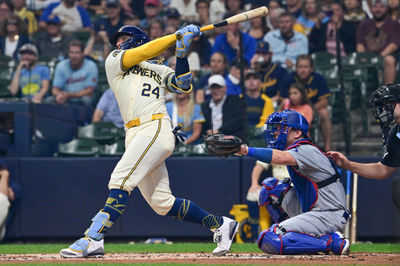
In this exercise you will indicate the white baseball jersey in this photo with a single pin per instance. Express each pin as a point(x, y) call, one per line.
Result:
point(140, 90)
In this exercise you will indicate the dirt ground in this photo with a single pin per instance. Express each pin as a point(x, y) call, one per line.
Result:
point(205, 258)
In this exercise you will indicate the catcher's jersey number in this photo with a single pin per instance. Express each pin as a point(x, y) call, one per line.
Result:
point(147, 90)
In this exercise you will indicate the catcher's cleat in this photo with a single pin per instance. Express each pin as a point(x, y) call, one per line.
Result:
point(84, 247)
point(339, 244)
point(224, 235)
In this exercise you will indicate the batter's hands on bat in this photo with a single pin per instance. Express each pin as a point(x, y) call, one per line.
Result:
point(184, 39)
point(339, 159)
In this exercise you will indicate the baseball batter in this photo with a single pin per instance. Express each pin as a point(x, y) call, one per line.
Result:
point(140, 87)
point(311, 213)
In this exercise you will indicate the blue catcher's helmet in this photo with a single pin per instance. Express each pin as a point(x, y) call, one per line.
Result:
point(277, 127)
point(139, 37)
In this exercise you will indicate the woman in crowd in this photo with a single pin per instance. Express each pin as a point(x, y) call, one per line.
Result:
point(353, 11)
point(14, 34)
point(311, 16)
point(298, 101)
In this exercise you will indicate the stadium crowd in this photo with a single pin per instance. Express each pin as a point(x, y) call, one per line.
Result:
point(241, 70)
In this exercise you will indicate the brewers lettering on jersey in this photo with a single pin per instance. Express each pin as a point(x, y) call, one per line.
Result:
point(139, 87)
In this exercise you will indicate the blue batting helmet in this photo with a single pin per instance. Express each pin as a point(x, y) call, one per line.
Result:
point(278, 124)
point(139, 37)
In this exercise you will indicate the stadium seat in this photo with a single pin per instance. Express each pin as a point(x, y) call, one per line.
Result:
point(115, 149)
point(83, 36)
point(78, 147)
point(103, 132)
point(4, 88)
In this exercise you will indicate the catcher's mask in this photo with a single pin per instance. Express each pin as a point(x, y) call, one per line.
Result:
point(139, 37)
point(277, 128)
point(384, 100)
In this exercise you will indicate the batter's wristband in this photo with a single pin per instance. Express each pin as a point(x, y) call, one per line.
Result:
point(261, 154)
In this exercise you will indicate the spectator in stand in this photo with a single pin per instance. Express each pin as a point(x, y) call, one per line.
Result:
point(272, 7)
point(27, 16)
point(185, 113)
point(152, 11)
point(312, 16)
point(233, 79)
point(31, 80)
point(187, 8)
point(272, 73)
point(353, 12)
point(6, 8)
point(258, 105)
point(297, 100)
point(173, 18)
point(130, 19)
point(218, 66)
point(75, 78)
point(326, 7)
point(234, 6)
point(156, 29)
point(258, 28)
point(13, 35)
point(202, 46)
point(380, 35)
point(317, 92)
point(112, 21)
point(72, 16)
point(217, 10)
point(203, 12)
point(53, 43)
point(394, 10)
point(224, 114)
point(323, 38)
point(294, 7)
point(285, 43)
point(228, 43)
point(107, 109)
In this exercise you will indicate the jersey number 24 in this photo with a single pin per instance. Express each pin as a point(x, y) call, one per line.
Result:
point(147, 90)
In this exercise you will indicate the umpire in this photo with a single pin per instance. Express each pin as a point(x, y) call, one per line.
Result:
point(386, 101)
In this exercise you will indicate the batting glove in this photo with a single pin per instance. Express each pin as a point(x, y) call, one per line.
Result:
point(181, 137)
point(184, 39)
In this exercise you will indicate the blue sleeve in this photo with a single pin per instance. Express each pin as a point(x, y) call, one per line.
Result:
point(84, 16)
point(249, 48)
point(45, 73)
point(59, 76)
point(323, 86)
point(103, 102)
point(197, 114)
point(93, 75)
point(47, 11)
point(284, 89)
point(261, 154)
point(169, 106)
point(182, 66)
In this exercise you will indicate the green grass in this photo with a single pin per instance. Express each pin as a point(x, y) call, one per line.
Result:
point(175, 248)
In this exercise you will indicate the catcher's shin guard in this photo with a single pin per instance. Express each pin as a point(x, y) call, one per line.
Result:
point(274, 241)
point(271, 195)
point(100, 225)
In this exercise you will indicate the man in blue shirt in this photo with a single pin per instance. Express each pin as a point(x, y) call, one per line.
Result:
point(272, 73)
point(107, 109)
point(75, 79)
point(317, 92)
point(228, 43)
point(286, 44)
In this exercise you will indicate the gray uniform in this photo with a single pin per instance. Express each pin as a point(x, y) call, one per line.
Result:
point(327, 214)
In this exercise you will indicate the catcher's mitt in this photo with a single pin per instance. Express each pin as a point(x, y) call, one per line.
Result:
point(222, 145)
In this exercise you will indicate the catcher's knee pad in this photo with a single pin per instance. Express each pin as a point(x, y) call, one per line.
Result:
point(271, 195)
point(100, 225)
point(276, 240)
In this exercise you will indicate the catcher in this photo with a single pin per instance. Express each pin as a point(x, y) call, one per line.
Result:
point(309, 208)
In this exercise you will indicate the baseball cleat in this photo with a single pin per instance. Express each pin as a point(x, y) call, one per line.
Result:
point(83, 248)
point(224, 236)
point(339, 244)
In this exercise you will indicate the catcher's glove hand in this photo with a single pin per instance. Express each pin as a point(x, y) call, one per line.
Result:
point(222, 145)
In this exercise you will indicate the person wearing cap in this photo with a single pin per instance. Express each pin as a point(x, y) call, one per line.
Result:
point(53, 42)
point(285, 43)
point(173, 18)
point(228, 43)
point(26, 15)
point(30, 80)
point(272, 74)
point(224, 114)
point(72, 16)
point(380, 35)
point(386, 103)
point(75, 78)
point(152, 11)
point(258, 105)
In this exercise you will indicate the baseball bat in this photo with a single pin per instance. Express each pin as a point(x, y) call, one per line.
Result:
point(354, 210)
point(245, 16)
